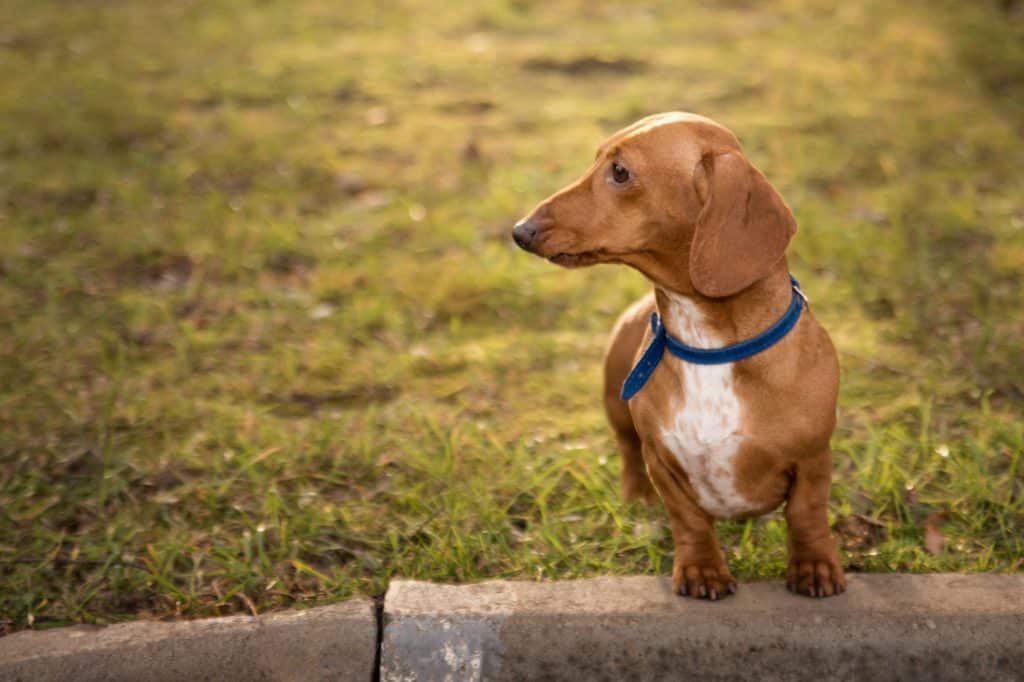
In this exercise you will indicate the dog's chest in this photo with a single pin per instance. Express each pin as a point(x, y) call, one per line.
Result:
point(702, 423)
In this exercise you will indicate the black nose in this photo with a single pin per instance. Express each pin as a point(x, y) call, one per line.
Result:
point(524, 232)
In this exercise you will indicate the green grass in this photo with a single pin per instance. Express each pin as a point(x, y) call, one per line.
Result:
point(266, 341)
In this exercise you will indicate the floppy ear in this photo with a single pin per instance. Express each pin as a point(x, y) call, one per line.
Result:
point(743, 229)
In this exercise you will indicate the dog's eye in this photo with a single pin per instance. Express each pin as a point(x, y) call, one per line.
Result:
point(620, 174)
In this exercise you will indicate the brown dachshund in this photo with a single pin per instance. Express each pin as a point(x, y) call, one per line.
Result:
point(674, 196)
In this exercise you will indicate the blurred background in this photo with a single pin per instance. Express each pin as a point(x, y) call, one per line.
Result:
point(265, 339)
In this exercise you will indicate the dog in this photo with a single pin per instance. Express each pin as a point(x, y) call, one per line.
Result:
point(725, 398)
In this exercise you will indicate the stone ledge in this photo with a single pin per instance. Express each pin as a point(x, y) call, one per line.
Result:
point(885, 627)
point(336, 642)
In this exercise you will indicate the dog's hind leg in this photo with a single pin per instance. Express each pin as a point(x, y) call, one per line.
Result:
point(622, 349)
point(636, 484)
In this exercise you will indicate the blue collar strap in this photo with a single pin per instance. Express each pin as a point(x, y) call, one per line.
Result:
point(710, 356)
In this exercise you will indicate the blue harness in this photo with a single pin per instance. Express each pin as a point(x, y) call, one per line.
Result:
point(710, 356)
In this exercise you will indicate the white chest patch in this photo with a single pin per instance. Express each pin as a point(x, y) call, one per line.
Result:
point(703, 429)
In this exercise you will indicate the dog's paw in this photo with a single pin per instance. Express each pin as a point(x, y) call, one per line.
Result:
point(703, 581)
point(815, 577)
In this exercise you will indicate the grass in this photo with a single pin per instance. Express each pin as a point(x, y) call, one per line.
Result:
point(266, 341)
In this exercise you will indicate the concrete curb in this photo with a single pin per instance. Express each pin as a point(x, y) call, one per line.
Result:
point(335, 642)
point(885, 627)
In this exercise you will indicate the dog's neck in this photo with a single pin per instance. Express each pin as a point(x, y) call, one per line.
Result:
point(704, 322)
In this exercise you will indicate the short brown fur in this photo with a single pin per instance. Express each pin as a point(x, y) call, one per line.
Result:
point(702, 223)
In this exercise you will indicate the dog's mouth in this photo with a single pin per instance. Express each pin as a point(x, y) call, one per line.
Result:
point(577, 260)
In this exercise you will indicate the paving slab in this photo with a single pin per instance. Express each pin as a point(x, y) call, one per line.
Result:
point(885, 627)
point(336, 642)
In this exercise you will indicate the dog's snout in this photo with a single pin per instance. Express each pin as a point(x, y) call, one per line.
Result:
point(524, 233)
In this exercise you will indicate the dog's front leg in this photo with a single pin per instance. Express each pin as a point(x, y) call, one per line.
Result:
point(814, 567)
point(698, 567)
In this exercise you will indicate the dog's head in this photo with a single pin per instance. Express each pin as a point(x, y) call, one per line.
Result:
point(674, 196)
